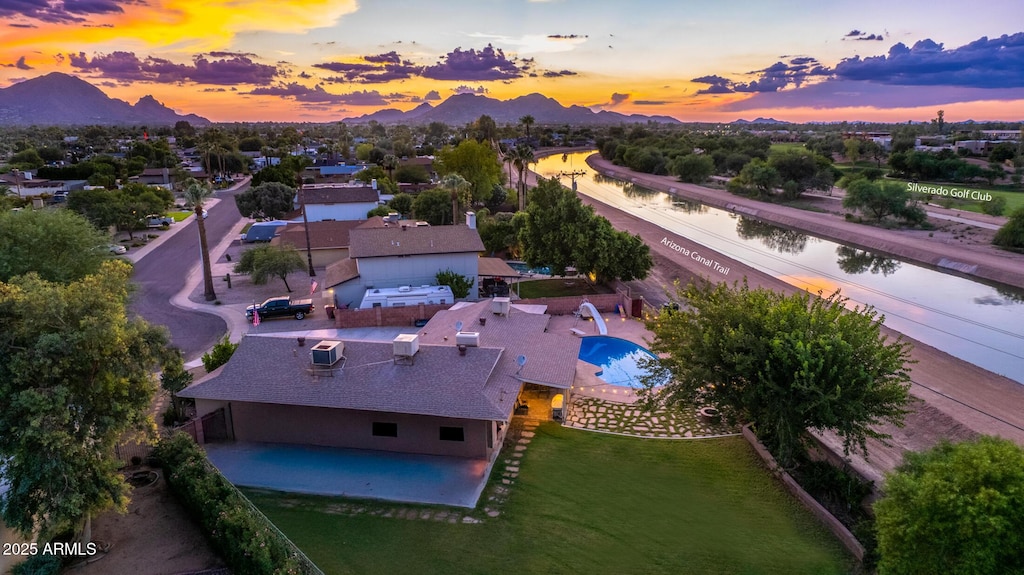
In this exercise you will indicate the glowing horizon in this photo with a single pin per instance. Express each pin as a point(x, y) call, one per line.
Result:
point(319, 61)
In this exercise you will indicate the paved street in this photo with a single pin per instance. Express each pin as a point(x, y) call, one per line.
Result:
point(164, 271)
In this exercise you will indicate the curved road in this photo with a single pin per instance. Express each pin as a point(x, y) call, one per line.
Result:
point(163, 273)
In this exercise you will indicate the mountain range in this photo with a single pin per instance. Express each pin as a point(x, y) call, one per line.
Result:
point(60, 99)
point(466, 108)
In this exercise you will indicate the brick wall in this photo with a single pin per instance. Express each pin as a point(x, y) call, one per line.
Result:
point(380, 316)
point(568, 305)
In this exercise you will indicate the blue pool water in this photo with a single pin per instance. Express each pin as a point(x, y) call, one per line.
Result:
point(618, 359)
point(525, 269)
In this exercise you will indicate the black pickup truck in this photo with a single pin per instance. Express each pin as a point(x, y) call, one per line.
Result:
point(281, 307)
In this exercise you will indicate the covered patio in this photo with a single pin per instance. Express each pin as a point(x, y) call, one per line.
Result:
point(361, 473)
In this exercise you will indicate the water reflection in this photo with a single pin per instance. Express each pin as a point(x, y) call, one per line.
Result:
point(630, 189)
point(855, 261)
point(686, 206)
point(773, 237)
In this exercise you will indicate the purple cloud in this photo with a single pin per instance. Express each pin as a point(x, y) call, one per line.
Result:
point(984, 63)
point(651, 102)
point(432, 96)
point(127, 67)
point(558, 73)
point(317, 94)
point(618, 98)
point(20, 64)
point(858, 35)
point(463, 89)
point(566, 36)
point(391, 57)
point(59, 11)
point(475, 66)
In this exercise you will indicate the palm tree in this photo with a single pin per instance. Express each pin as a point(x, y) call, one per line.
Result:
point(196, 194)
point(522, 157)
point(459, 189)
point(527, 121)
point(389, 163)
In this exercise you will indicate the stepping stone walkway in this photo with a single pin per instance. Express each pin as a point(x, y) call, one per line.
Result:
point(595, 414)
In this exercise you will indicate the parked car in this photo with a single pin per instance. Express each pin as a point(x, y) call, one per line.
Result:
point(282, 306)
point(157, 221)
point(117, 249)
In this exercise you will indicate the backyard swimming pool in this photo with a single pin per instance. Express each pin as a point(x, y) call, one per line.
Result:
point(618, 359)
point(525, 269)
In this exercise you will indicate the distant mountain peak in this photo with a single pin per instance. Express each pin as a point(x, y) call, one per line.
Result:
point(465, 108)
point(62, 99)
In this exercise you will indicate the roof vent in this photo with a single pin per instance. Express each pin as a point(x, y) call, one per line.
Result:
point(468, 338)
point(327, 352)
point(501, 305)
point(406, 345)
point(404, 289)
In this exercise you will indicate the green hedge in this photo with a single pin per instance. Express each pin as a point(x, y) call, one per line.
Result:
point(243, 536)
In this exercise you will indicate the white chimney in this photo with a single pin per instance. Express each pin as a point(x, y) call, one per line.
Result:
point(471, 220)
point(373, 184)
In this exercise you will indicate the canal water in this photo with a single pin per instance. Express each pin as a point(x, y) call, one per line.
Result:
point(973, 321)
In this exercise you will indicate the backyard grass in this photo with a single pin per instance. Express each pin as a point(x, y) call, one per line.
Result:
point(559, 288)
point(180, 215)
point(589, 503)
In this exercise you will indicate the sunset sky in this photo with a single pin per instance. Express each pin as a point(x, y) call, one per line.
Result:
point(321, 60)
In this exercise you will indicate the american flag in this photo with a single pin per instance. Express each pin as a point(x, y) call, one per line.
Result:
point(255, 317)
point(312, 286)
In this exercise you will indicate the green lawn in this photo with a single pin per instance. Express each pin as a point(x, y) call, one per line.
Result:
point(590, 503)
point(179, 216)
point(559, 288)
point(787, 146)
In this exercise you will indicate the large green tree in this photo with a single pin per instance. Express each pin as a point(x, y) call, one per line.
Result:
point(882, 199)
point(556, 231)
point(757, 178)
point(59, 245)
point(693, 168)
point(75, 380)
point(787, 363)
point(475, 161)
point(267, 200)
point(433, 206)
point(954, 509)
point(269, 261)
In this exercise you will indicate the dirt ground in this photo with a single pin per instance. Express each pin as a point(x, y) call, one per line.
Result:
point(155, 537)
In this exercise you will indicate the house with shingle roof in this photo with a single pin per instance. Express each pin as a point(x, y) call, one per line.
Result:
point(337, 201)
point(437, 392)
point(401, 254)
point(328, 240)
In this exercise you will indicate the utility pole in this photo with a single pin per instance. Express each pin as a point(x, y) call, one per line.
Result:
point(305, 225)
point(573, 174)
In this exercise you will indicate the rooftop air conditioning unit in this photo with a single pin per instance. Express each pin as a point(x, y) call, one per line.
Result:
point(501, 305)
point(468, 338)
point(404, 289)
point(327, 352)
point(406, 344)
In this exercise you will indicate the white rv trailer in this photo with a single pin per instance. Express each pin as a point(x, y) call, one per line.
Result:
point(406, 296)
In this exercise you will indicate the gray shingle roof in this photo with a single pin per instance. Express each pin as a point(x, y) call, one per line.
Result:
point(413, 240)
point(340, 272)
point(440, 382)
point(340, 195)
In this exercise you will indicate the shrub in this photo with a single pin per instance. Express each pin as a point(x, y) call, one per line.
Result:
point(38, 565)
point(460, 284)
point(219, 355)
point(996, 207)
point(243, 536)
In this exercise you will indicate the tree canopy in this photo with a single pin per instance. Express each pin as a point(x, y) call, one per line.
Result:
point(75, 378)
point(269, 261)
point(433, 206)
point(560, 232)
point(59, 245)
point(882, 199)
point(954, 509)
point(692, 168)
point(787, 363)
point(475, 161)
point(267, 200)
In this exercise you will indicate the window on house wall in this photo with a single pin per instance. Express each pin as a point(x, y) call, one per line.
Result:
point(452, 434)
point(384, 429)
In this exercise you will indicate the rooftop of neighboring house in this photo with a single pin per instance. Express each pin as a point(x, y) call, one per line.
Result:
point(321, 194)
point(406, 240)
point(326, 234)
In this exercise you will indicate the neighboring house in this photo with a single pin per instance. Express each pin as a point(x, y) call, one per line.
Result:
point(158, 177)
point(422, 393)
point(402, 254)
point(328, 240)
point(337, 202)
point(25, 185)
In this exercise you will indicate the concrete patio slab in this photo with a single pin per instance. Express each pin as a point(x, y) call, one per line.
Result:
point(360, 473)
